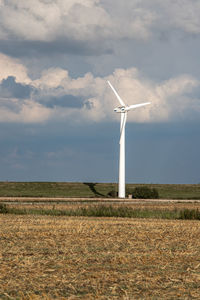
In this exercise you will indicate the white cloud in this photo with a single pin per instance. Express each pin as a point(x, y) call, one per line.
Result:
point(51, 78)
point(91, 20)
point(75, 19)
point(13, 67)
point(170, 100)
point(37, 20)
point(27, 112)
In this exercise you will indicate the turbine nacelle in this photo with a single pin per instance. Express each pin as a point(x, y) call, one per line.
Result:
point(123, 109)
point(120, 109)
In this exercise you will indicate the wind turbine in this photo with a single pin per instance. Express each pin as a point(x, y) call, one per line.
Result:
point(123, 110)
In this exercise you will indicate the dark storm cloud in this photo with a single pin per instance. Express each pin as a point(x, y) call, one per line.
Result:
point(61, 101)
point(63, 153)
point(22, 48)
point(9, 88)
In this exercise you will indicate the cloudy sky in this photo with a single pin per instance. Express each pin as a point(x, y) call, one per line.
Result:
point(56, 109)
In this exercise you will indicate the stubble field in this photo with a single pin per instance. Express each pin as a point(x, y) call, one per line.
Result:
point(62, 205)
point(47, 257)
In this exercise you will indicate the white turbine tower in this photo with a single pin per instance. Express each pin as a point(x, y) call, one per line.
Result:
point(123, 110)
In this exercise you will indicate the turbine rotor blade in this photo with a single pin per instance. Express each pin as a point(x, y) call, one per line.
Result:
point(130, 107)
point(116, 94)
point(123, 125)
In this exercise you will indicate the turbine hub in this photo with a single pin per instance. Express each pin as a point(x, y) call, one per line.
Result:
point(120, 109)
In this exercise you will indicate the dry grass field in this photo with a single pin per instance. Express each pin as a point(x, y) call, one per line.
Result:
point(66, 205)
point(48, 257)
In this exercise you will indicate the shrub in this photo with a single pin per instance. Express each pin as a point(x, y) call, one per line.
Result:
point(144, 192)
point(3, 209)
point(113, 194)
point(189, 214)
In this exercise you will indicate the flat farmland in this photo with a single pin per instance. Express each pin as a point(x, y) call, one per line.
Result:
point(91, 190)
point(48, 257)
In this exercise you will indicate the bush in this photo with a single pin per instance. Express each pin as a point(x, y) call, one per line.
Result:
point(144, 192)
point(190, 214)
point(3, 209)
point(113, 194)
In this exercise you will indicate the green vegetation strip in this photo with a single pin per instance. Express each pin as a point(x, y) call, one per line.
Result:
point(108, 211)
point(93, 190)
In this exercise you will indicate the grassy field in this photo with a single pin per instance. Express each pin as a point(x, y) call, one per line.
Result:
point(45, 257)
point(65, 189)
point(157, 210)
